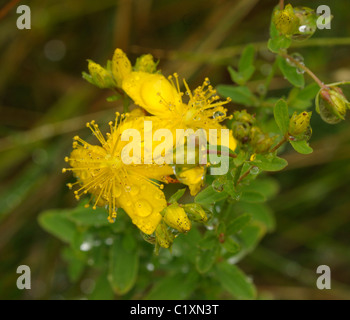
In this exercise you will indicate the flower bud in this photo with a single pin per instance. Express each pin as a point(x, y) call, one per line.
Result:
point(331, 104)
point(242, 125)
point(261, 142)
point(298, 23)
point(307, 23)
point(176, 218)
point(286, 21)
point(244, 116)
point(99, 76)
point(145, 63)
point(241, 131)
point(299, 125)
point(195, 212)
point(164, 236)
point(121, 67)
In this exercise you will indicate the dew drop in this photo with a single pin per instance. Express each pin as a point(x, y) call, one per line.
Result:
point(254, 170)
point(218, 114)
point(143, 208)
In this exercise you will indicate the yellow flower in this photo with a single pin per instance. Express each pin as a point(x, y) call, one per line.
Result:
point(162, 97)
point(101, 172)
point(193, 177)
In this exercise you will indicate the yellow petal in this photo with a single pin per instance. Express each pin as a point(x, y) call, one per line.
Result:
point(143, 202)
point(192, 177)
point(153, 92)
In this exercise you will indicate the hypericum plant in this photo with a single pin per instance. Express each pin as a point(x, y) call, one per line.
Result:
point(223, 216)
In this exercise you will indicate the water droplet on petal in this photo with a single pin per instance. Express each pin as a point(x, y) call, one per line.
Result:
point(143, 208)
point(134, 190)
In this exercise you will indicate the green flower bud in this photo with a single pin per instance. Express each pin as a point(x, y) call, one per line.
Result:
point(164, 236)
point(241, 131)
point(307, 23)
point(242, 125)
point(299, 126)
point(176, 218)
point(99, 76)
point(331, 104)
point(145, 63)
point(261, 142)
point(298, 23)
point(244, 116)
point(286, 21)
point(195, 212)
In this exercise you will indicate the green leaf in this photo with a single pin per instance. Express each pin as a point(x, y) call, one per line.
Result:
point(231, 245)
point(252, 196)
point(301, 146)
point(240, 95)
point(246, 62)
point(102, 289)
point(236, 77)
point(209, 196)
point(88, 217)
point(241, 157)
point(270, 163)
point(290, 72)
point(238, 224)
point(281, 115)
point(177, 195)
point(205, 259)
point(76, 263)
point(267, 186)
point(259, 212)
point(303, 99)
point(56, 222)
point(235, 281)
point(123, 266)
point(251, 235)
point(208, 242)
point(245, 66)
point(174, 287)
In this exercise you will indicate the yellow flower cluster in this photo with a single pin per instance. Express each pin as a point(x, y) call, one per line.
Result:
point(137, 188)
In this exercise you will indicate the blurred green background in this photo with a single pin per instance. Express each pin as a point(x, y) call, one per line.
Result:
point(44, 102)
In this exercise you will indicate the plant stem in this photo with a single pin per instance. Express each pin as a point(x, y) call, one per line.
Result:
point(245, 174)
point(281, 4)
point(306, 69)
point(285, 139)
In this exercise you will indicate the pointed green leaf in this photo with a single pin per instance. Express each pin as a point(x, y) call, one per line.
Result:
point(241, 95)
point(57, 223)
point(123, 266)
point(290, 72)
point(301, 147)
point(177, 195)
point(205, 259)
point(174, 287)
point(209, 196)
point(281, 115)
point(235, 281)
point(252, 197)
point(238, 224)
point(272, 163)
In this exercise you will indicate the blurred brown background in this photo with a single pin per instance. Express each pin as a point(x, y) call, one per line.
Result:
point(44, 102)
